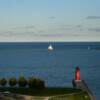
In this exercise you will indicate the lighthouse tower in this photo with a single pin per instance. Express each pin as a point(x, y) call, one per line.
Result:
point(77, 74)
point(76, 82)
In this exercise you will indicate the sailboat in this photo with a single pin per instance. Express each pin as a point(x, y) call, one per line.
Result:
point(50, 47)
point(88, 47)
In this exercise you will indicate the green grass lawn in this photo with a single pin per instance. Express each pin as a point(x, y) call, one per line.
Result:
point(43, 92)
point(53, 93)
point(76, 96)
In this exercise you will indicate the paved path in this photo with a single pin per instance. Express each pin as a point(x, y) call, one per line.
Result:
point(35, 98)
point(47, 98)
point(21, 97)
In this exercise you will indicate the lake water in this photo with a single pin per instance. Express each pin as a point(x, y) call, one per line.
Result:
point(56, 67)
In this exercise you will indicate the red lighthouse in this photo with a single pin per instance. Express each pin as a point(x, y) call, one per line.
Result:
point(77, 74)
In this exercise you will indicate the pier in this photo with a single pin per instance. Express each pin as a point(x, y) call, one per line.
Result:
point(81, 84)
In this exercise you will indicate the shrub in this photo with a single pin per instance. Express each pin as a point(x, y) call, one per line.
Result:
point(12, 81)
point(36, 83)
point(22, 82)
point(32, 82)
point(3, 82)
point(40, 84)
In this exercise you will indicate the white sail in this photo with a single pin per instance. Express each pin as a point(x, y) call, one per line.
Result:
point(50, 47)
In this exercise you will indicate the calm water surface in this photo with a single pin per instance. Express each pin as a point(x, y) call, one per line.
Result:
point(55, 67)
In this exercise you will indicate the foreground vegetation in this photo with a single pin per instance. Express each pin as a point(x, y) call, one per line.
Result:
point(35, 87)
point(31, 82)
point(40, 92)
point(52, 93)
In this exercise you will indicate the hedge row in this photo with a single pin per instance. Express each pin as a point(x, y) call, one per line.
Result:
point(31, 82)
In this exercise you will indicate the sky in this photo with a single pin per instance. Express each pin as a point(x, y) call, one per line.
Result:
point(49, 20)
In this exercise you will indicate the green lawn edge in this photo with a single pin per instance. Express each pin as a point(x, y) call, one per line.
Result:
point(49, 91)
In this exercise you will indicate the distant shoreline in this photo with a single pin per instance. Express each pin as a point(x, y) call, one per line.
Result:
point(50, 42)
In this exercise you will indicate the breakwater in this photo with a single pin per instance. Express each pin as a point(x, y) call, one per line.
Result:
point(82, 85)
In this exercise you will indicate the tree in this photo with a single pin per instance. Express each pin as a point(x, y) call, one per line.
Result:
point(3, 82)
point(40, 84)
point(12, 81)
point(22, 82)
point(32, 82)
point(36, 83)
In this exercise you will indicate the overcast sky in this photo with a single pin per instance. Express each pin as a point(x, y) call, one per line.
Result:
point(49, 20)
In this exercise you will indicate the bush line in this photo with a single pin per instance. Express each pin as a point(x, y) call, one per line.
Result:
point(31, 82)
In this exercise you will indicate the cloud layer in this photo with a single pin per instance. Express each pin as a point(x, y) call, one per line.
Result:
point(93, 17)
point(55, 31)
point(94, 29)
